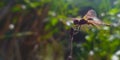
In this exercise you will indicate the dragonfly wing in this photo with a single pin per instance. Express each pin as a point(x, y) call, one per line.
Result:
point(90, 14)
point(98, 22)
point(92, 17)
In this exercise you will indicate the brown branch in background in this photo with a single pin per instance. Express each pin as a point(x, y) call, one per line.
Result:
point(37, 27)
point(45, 13)
point(28, 20)
point(29, 41)
point(27, 26)
point(4, 11)
point(6, 26)
point(17, 47)
point(19, 22)
point(3, 31)
point(35, 23)
point(13, 42)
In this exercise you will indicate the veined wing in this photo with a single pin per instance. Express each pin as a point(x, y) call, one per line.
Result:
point(90, 14)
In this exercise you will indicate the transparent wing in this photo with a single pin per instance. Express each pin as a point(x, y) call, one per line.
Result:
point(98, 24)
point(90, 14)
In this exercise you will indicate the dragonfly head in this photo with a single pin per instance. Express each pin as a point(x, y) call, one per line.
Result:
point(76, 22)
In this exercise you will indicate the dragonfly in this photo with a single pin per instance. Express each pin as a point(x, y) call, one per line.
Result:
point(90, 19)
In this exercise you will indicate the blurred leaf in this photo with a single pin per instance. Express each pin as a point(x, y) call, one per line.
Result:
point(54, 21)
point(17, 8)
point(113, 11)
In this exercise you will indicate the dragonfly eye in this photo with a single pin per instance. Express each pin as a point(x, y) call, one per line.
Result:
point(76, 22)
point(90, 18)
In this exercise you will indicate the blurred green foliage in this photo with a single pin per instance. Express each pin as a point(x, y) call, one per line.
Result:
point(103, 43)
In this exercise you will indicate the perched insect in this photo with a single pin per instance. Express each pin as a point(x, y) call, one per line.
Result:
point(90, 18)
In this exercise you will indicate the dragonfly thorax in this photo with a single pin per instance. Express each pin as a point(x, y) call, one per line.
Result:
point(82, 21)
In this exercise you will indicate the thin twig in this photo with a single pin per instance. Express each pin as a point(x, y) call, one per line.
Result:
point(20, 34)
point(71, 49)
